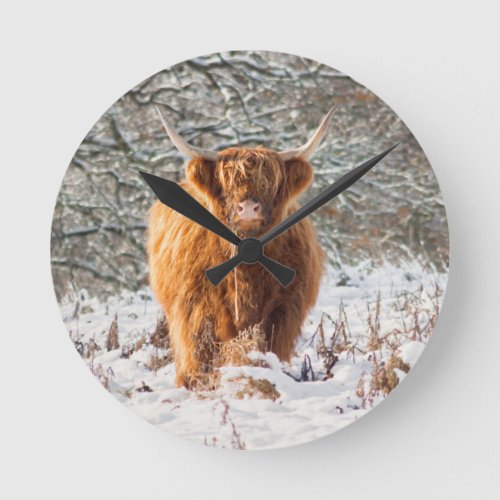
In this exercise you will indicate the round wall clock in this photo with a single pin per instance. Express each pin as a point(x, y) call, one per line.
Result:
point(250, 250)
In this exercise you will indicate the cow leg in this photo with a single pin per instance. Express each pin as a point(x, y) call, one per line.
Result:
point(186, 364)
point(282, 329)
point(225, 328)
point(193, 344)
point(195, 336)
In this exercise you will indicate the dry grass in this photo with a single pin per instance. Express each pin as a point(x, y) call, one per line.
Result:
point(158, 360)
point(160, 338)
point(236, 440)
point(87, 349)
point(256, 388)
point(162, 354)
point(112, 342)
point(373, 320)
point(135, 346)
point(340, 340)
point(235, 351)
point(104, 376)
point(331, 341)
point(384, 377)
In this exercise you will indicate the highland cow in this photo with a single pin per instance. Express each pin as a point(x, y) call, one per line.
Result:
point(250, 190)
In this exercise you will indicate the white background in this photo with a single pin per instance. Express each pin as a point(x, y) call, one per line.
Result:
point(63, 64)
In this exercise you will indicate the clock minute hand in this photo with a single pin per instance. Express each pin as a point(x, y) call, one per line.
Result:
point(326, 195)
point(172, 195)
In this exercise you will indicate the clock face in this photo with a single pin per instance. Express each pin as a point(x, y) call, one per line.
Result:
point(250, 250)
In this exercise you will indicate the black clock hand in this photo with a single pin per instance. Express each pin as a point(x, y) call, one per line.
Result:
point(326, 195)
point(282, 273)
point(216, 274)
point(172, 195)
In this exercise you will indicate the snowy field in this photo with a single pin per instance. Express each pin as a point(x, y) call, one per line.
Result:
point(358, 343)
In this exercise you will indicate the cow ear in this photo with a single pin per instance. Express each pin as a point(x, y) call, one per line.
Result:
point(200, 172)
point(299, 175)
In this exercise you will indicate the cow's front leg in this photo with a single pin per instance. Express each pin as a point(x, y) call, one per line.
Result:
point(194, 345)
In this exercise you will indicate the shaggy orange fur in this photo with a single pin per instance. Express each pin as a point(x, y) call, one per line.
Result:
point(199, 314)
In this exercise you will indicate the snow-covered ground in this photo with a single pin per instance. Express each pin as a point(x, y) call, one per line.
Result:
point(357, 345)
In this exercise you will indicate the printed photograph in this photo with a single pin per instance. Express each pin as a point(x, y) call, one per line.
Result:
point(250, 250)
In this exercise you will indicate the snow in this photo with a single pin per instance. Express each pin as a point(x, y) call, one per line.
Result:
point(295, 410)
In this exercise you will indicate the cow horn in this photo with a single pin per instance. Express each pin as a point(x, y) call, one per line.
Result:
point(306, 150)
point(182, 145)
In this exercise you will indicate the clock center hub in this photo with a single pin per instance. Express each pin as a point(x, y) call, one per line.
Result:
point(250, 249)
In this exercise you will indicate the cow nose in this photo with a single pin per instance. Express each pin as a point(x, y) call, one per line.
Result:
point(249, 209)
